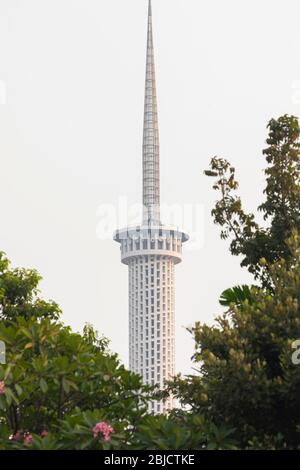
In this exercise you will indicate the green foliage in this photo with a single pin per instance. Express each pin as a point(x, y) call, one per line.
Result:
point(50, 371)
point(76, 432)
point(53, 375)
point(183, 432)
point(281, 207)
point(236, 295)
point(19, 294)
point(247, 379)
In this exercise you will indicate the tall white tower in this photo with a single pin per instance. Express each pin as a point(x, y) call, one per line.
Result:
point(151, 252)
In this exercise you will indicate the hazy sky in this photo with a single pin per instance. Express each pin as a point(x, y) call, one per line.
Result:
point(71, 136)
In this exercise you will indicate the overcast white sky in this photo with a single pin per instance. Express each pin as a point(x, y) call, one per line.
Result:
point(71, 135)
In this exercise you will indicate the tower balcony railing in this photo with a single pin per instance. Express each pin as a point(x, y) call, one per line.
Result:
point(155, 240)
point(150, 231)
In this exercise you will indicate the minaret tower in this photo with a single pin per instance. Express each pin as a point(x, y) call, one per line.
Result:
point(151, 252)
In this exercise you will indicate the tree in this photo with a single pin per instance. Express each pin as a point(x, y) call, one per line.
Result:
point(182, 431)
point(281, 207)
point(52, 374)
point(247, 379)
point(19, 294)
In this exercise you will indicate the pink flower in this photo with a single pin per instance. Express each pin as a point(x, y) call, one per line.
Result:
point(44, 434)
point(102, 429)
point(2, 388)
point(16, 437)
point(28, 439)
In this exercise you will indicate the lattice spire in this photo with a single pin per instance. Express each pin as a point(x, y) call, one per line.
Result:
point(151, 171)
